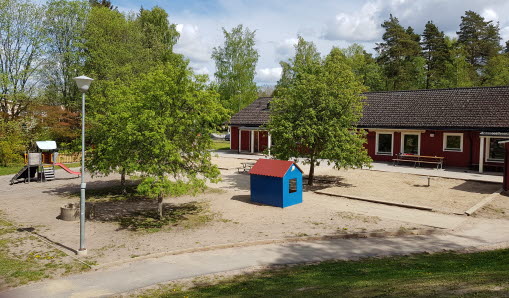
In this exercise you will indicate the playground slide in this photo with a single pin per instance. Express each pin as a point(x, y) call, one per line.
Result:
point(23, 174)
point(67, 169)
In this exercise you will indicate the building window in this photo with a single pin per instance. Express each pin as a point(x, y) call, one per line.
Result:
point(384, 143)
point(453, 142)
point(410, 143)
point(293, 185)
point(495, 150)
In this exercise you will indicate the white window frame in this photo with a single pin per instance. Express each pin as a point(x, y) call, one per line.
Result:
point(487, 150)
point(403, 134)
point(455, 134)
point(392, 143)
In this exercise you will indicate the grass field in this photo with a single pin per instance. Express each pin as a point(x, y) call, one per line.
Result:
point(484, 274)
point(220, 145)
point(25, 258)
point(11, 170)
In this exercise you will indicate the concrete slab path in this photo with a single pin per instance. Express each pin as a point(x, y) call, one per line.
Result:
point(143, 273)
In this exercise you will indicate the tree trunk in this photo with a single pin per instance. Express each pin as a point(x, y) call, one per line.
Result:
point(311, 176)
point(160, 206)
point(122, 181)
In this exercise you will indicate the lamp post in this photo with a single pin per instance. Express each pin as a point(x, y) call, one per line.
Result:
point(83, 83)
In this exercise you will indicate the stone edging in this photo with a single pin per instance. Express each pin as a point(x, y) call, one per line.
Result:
point(483, 202)
point(375, 201)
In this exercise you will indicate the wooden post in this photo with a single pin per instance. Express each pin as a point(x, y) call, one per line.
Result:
point(240, 139)
point(506, 167)
point(481, 155)
point(251, 133)
point(269, 142)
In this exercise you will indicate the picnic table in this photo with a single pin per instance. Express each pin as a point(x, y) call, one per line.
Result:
point(419, 159)
point(246, 166)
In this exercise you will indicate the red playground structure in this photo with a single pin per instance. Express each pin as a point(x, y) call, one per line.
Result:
point(40, 166)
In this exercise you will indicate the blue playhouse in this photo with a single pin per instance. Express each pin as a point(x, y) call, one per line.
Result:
point(276, 183)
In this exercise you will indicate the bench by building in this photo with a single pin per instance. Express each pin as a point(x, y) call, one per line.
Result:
point(462, 125)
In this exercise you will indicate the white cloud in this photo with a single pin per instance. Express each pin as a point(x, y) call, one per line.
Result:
point(489, 15)
point(285, 48)
point(191, 44)
point(362, 25)
point(268, 75)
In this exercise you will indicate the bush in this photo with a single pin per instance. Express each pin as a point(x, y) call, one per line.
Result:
point(11, 143)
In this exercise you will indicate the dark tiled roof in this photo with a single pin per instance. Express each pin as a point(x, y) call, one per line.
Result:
point(483, 108)
point(255, 114)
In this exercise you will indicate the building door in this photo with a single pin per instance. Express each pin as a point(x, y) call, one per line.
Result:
point(410, 143)
point(257, 141)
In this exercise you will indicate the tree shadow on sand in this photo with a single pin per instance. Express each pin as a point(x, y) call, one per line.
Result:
point(141, 214)
point(325, 181)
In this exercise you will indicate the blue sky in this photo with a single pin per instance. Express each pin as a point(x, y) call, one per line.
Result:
point(327, 23)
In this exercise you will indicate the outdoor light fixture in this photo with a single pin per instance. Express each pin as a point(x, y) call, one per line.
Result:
point(83, 83)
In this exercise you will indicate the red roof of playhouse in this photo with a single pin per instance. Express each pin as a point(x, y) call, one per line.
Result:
point(272, 167)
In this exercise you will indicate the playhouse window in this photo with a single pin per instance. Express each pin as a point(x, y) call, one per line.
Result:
point(293, 185)
point(384, 143)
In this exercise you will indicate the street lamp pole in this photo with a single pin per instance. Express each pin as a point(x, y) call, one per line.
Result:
point(83, 83)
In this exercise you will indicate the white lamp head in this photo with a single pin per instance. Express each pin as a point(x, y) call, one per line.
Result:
point(83, 83)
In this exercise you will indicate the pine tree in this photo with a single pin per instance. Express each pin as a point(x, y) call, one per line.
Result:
point(399, 56)
point(436, 53)
point(480, 38)
point(506, 50)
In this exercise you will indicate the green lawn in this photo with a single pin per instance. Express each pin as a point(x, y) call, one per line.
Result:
point(484, 274)
point(11, 170)
point(25, 258)
point(220, 145)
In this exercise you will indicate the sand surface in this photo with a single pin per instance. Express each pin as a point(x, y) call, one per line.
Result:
point(443, 195)
point(235, 218)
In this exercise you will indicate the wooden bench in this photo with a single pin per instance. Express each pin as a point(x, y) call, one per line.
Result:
point(419, 159)
point(246, 166)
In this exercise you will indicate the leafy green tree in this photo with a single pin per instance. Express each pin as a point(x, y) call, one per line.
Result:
point(103, 3)
point(176, 112)
point(115, 48)
point(365, 67)
point(11, 143)
point(436, 53)
point(497, 71)
point(458, 72)
point(506, 49)
point(480, 38)
point(315, 113)
point(114, 132)
point(64, 26)
point(307, 59)
point(158, 34)
point(235, 68)
point(399, 56)
point(21, 49)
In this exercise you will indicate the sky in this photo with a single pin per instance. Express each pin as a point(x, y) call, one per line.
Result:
point(327, 23)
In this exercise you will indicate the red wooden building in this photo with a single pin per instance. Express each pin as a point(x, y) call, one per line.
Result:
point(463, 125)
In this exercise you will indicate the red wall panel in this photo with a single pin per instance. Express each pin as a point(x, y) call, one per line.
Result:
point(234, 138)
